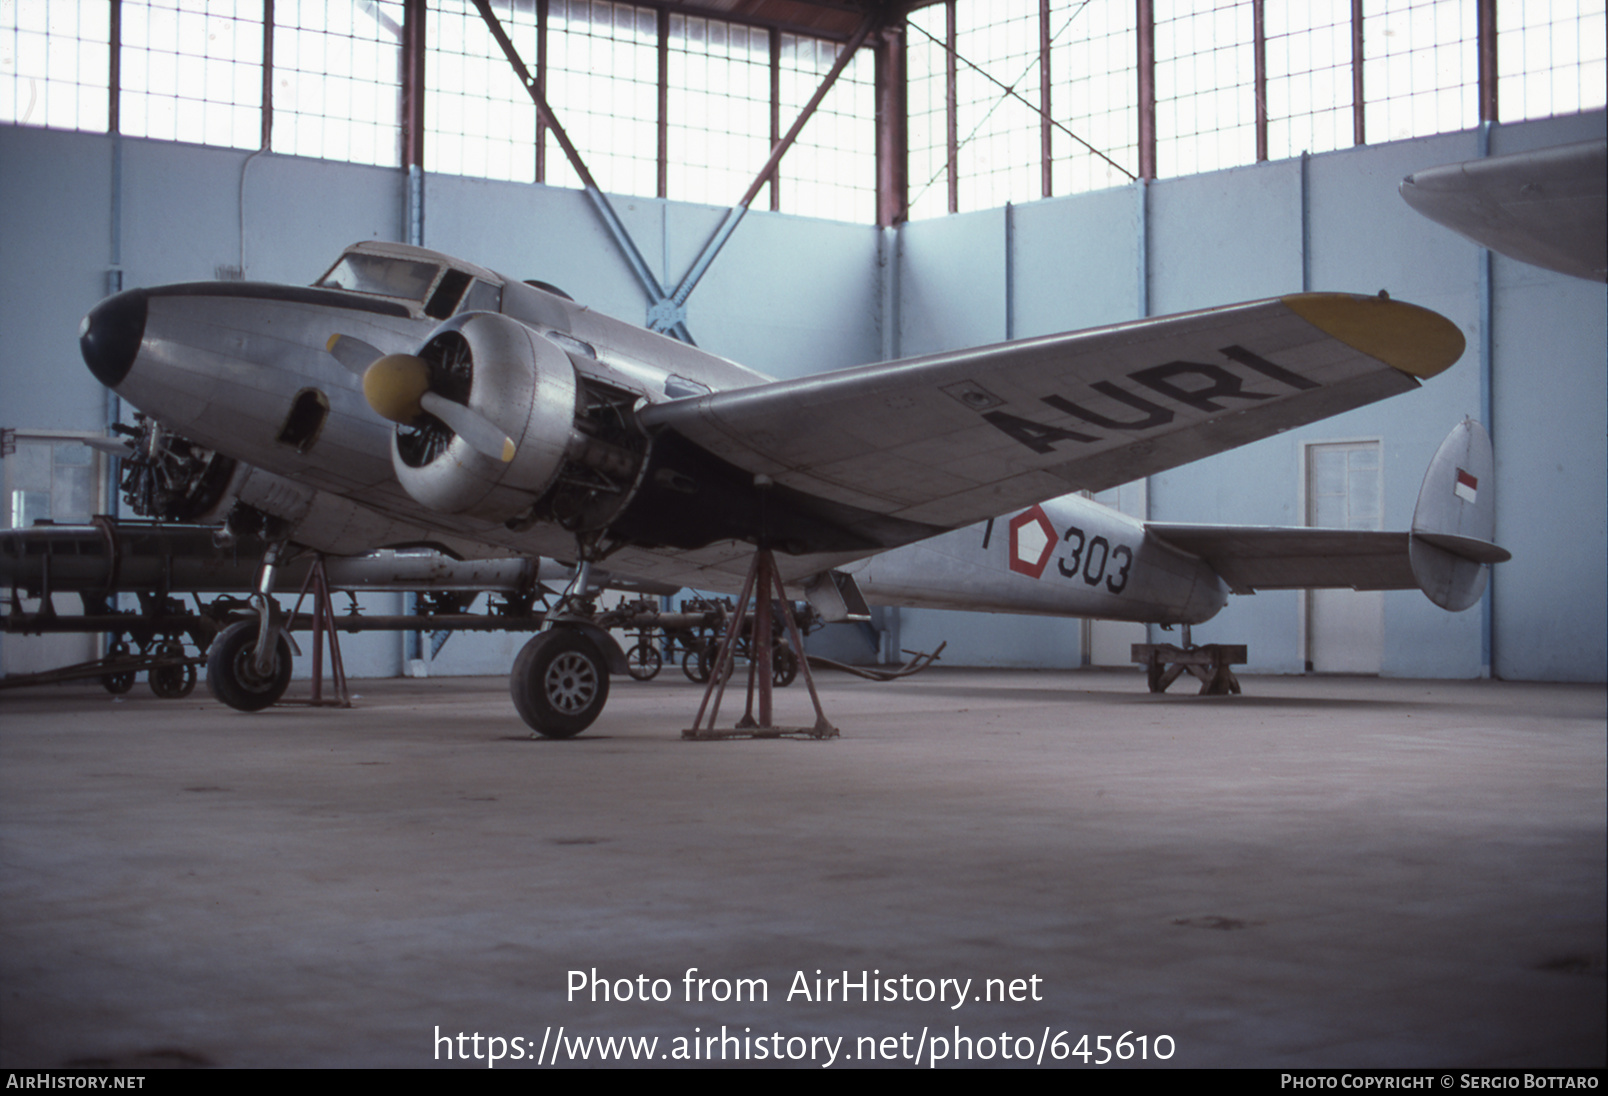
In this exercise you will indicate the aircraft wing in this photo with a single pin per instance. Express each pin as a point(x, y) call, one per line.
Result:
point(932, 443)
point(1548, 207)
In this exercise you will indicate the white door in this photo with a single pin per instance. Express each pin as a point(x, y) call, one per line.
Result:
point(59, 480)
point(1344, 488)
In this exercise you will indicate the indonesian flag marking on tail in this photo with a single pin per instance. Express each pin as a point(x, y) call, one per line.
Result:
point(1465, 487)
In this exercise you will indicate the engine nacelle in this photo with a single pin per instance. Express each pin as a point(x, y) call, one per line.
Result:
point(523, 383)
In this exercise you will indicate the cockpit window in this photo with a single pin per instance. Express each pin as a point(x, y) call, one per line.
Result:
point(382, 276)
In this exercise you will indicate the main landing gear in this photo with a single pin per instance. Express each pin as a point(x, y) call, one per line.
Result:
point(233, 675)
point(249, 664)
point(560, 683)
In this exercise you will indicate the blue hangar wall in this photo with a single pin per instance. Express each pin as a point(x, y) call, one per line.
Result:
point(794, 296)
point(1331, 222)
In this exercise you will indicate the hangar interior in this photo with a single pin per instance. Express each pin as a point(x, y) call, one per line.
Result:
point(1323, 872)
point(1026, 179)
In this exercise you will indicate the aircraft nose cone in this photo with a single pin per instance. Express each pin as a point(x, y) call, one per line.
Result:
point(109, 338)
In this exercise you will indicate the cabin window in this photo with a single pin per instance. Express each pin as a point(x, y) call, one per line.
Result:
point(445, 299)
point(483, 297)
point(307, 413)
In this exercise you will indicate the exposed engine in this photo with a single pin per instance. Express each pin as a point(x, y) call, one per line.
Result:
point(171, 478)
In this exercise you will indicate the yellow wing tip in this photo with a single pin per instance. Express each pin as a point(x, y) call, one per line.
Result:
point(1403, 336)
point(507, 450)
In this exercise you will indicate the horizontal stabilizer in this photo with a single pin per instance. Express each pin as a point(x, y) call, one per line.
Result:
point(1447, 554)
point(1265, 557)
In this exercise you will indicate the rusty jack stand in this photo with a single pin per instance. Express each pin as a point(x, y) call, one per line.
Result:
point(760, 676)
point(323, 624)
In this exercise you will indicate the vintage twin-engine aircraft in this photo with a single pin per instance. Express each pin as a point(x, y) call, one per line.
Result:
point(409, 398)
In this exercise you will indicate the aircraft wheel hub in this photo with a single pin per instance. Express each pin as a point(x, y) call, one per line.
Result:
point(572, 682)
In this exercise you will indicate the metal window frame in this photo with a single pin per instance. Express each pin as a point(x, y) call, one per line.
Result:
point(892, 183)
point(1145, 38)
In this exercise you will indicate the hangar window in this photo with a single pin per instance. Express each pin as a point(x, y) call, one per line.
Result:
point(831, 171)
point(478, 119)
point(49, 477)
point(55, 64)
point(191, 70)
point(337, 80)
point(1550, 57)
point(1420, 68)
point(719, 116)
point(1008, 100)
point(997, 94)
point(975, 74)
point(1205, 100)
point(1095, 93)
point(602, 82)
point(1309, 99)
point(926, 91)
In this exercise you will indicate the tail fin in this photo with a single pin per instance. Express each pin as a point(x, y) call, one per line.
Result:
point(1451, 549)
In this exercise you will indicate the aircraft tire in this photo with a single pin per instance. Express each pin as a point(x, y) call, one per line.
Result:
point(784, 666)
point(644, 661)
point(172, 682)
point(232, 678)
point(121, 682)
point(559, 683)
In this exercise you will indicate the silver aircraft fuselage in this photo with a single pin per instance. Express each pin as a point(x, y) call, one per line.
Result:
point(246, 369)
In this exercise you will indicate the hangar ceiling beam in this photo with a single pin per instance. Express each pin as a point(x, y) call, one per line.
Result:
point(1485, 33)
point(1259, 74)
point(1359, 129)
point(951, 105)
point(600, 202)
point(735, 214)
point(893, 127)
point(1146, 35)
point(1046, 152)
point(413, 117)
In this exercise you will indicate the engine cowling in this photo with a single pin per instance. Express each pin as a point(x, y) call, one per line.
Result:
point(510, 375)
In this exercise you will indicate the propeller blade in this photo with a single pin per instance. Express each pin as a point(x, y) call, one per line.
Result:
point(354, 354)
point(480, 432)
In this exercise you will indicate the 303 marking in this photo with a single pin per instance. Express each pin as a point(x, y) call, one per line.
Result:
point(1069, 566)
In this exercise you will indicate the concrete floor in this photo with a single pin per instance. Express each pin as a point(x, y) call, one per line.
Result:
point(1323, 872)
